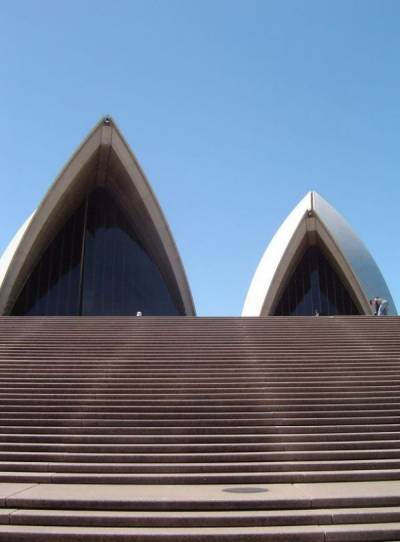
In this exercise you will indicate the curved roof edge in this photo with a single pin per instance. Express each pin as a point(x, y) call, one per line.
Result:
point(313, 213)
point(67, 187)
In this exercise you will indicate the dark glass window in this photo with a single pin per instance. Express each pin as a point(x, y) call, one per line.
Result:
point(315, 286)
point(119, 277)
point(53, 286)
point(96, 265)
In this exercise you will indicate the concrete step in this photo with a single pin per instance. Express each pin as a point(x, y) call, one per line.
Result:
point(11, 533)
point(202, 478)
point(175, 412)
point(202, 400)
point(131, 402)
point(105, 466)
point(179, 519)
point(299, 533)
point(188, 399)
point(148, 371)
point(324, 440)
point(108, 386)
point(236, 457)
point(187, 430)
point(27, 445)
point(226, 379)
point(321, 533)
point(6, 414)
point(216, 497)
point(226, 422)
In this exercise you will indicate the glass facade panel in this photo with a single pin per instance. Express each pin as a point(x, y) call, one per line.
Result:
point(95, 265)
point(53, 286)
point(315, 286)
point(119, 277)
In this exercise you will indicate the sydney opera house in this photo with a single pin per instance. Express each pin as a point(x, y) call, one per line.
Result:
point(99, 244)
point(275, 425)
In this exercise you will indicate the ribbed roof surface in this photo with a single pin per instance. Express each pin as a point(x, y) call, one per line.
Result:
point(200, 428)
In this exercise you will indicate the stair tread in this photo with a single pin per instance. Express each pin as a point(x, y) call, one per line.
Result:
point(308, 533)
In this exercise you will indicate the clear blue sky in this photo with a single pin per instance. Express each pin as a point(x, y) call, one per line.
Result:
point(234, 109)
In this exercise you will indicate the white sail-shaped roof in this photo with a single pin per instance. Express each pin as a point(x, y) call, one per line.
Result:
point(315, 215)
point(104, 158)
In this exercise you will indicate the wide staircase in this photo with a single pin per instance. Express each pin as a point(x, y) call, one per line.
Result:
point(199, 429)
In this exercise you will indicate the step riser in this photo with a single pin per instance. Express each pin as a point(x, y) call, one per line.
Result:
point(187, 519)
point(162, 431)
point(203, 458)
point(287, 441)
point(225, 416)
point(322, 447)
point(228, 504)
point(201, 424)
point(200, 479)
point(346, 469)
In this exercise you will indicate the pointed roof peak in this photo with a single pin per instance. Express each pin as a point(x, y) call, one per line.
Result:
point(313, 200)
point(104, 122)
point(311, 197)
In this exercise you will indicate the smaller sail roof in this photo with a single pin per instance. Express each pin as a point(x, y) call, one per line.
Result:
point(103, 159)
point(314, 214)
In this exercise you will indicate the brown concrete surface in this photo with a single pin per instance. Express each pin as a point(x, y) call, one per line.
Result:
point(207, 429)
